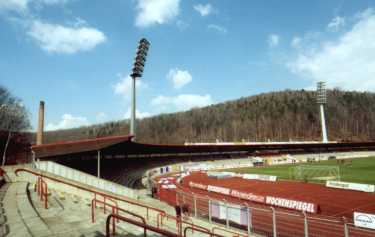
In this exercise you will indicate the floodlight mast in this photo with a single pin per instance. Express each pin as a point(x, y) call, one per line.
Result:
point(322, 100)
point(139, 63)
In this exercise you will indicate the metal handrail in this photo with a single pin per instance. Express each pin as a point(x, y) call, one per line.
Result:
point(179, 222)
point(115, 210)
point(42, 191)
point(123, 210)
point(228, 231)
point(200, 230)
point(105, 201)
point(89, 190)
point(139, 224)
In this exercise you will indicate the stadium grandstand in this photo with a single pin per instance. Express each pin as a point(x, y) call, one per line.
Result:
point(96, 187)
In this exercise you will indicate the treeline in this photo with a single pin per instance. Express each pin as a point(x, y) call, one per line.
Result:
point(275, 116)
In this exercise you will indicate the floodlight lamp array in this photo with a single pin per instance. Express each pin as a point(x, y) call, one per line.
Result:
point(321, 93)
point(140, 58)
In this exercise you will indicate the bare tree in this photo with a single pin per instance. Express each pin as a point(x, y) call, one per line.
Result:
point(13, 117)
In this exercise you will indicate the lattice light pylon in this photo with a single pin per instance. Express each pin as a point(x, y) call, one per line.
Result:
point(322, 100)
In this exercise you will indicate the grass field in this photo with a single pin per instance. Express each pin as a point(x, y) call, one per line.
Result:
point(361, 170)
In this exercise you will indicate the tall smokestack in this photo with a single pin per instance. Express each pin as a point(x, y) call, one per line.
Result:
point(39, 135)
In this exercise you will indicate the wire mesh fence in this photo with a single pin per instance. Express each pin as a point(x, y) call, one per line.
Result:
point(267, 221)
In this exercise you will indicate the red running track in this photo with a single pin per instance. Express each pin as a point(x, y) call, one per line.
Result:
point(333, 202)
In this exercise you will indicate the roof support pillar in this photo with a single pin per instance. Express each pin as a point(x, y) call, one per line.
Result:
point(98, 168)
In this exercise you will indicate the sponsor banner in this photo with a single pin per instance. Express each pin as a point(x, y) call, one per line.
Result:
point(292, 204)
point(351, 186)
point(260, 177)
point(364, 220)
point(217, 189)
point(221, 175)
point(168, 186)
point(248, 196)
point(274, 201)
point(197, 185)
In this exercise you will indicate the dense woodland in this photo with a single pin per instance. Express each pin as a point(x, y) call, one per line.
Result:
point(275, 116)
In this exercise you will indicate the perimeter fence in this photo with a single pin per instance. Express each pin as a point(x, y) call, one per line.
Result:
point(267, 221)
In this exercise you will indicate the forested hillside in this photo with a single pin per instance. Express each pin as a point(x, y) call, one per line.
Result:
point(275, 116)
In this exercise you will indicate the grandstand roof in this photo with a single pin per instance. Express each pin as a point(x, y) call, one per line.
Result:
point(81, 146)
point(119, 146)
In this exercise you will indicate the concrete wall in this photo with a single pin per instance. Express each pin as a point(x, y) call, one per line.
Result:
point(87, 179)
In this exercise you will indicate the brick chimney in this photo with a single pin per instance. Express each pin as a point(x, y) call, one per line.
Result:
point(39, 135)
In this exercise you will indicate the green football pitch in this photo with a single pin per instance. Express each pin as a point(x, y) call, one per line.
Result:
point(360, 170)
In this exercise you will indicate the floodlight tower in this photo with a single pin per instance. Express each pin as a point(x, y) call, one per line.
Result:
point(139, 64)
point(322, 100)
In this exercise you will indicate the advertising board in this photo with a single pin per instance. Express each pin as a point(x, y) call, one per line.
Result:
point(364, 220)
point(351, 186)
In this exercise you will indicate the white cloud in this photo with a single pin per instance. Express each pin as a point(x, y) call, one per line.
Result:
point(181, 102)
point(348, 62)
point(52, 2)
point(273, 40)
point(68, 121)
point(23, 5)
point(14, 5)
point(151, 12)
point(204, 10)
point(179, 78)
point(138, 114)
point(124, 86)
point(55, 38)
point(336, 24)
point(296, 42)
point(217, 28)
point(101, 117)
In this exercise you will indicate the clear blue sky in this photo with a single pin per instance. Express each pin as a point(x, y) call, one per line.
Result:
point(76, 55)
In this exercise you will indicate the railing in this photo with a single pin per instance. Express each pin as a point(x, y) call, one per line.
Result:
point(268, 221)
point(128, 201)
point(42, 190)
point(115, 210)
point(136, 223)
point(234, 234)
point(105, 199)
point(201, 231)
point(179, 222)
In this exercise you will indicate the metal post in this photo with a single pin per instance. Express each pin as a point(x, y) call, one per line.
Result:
point(226, 214)
point(209, 210)
point(33, 157)
point(133, 109)
point(274, 222)
point(322, 118)
point(248, 221)
point(98, 168)
point(346, 230)
point(195, 206)
point(306, 225)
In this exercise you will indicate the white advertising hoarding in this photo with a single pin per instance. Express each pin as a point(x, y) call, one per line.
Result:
point(351, 186)
point(260, 177)
point(364, 220)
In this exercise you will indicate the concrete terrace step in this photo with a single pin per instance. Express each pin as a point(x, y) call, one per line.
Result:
point(69, 211)
point(69, 215)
